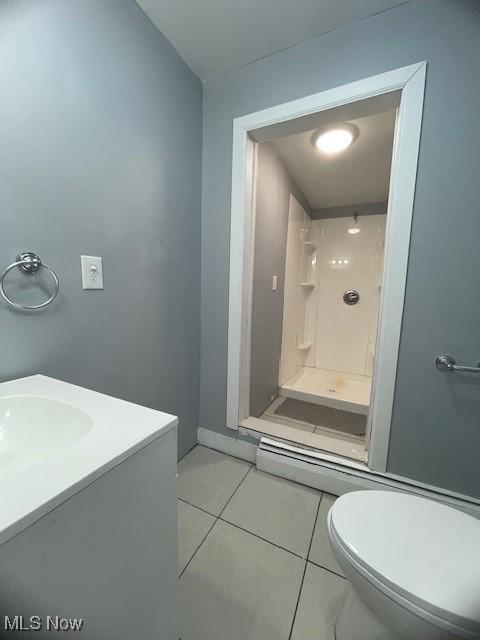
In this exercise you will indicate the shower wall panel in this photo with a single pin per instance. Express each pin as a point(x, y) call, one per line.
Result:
point(345, 334)
point(297, 275)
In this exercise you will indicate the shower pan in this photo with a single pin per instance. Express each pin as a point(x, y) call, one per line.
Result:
point(345, 391)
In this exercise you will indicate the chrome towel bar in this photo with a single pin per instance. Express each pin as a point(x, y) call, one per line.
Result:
point(445, 362)
point(28, 262)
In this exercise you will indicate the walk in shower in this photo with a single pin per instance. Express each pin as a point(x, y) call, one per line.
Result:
point(333, 282)
point(320, 229)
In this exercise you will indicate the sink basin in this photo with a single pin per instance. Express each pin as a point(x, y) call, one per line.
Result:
point(57, 438)
point(33, 428)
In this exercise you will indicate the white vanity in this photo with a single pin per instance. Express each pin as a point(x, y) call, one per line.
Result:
point(87, 514)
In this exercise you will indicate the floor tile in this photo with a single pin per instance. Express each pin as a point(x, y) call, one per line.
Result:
point(351, 450)
point(207, 478)
point(360, 440)
point(321, 601)
point(281, 430)
point(325, 440)
point(278, 510)
point(321, 552)
point(274, 405)
point(239, 587)
point(193, 526)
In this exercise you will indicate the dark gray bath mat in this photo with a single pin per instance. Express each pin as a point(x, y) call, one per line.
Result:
point(321, 416)
point(345, 421)
point(299, 410)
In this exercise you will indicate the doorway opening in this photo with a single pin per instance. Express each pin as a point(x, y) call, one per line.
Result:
point(320, 220)
point(322, 200)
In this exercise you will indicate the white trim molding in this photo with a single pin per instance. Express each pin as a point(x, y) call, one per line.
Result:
point(410, 81)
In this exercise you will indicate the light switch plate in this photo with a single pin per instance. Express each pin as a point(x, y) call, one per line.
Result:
point(92, 272)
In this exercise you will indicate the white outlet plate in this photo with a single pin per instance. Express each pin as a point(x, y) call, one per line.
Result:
point(92, 272)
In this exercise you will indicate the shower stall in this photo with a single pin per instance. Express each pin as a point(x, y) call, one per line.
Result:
point(333, 277)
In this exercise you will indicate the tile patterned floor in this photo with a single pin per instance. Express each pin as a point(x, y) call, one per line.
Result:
point(254, 558)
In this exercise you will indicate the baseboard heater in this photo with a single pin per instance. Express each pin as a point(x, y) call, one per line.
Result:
point(338, 476)
point(281, 447)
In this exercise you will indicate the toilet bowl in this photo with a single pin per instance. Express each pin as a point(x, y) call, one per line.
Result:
point(413, 566)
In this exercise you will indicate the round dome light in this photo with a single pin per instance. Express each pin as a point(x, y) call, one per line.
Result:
point(335, 139)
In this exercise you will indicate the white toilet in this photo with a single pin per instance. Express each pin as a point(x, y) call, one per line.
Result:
point(413, 566)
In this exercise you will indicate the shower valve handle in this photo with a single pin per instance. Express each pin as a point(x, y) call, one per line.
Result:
point(351, 296)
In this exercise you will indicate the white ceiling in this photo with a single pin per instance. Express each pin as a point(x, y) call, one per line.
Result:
point(358, 175)
point(215, 35)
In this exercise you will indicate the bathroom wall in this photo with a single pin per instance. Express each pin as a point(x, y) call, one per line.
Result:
point(100, 123)
point(344, 336)
point(273, 189)
point(435, 436)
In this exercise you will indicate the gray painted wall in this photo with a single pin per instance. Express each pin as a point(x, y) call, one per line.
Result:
point(273, 189)
point(100, 123)
point(436, 419)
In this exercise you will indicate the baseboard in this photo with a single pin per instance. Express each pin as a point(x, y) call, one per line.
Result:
point(232, 446)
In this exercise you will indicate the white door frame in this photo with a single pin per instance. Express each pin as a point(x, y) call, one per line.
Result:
point(411, 81)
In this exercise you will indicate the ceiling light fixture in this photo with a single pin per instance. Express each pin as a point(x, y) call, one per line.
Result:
point(335, 139)
point(355, 229)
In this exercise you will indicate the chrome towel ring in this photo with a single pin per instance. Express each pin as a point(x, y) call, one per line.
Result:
point(29, 263)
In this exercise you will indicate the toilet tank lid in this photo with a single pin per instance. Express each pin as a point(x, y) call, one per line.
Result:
point(421, 549)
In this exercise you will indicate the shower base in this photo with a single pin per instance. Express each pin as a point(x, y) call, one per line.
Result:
point(335, 389)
